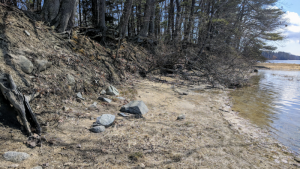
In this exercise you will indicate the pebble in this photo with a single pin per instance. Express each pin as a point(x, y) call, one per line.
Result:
point(27, 33)
point(37, 167)
point(104, 99)
point(79, 95)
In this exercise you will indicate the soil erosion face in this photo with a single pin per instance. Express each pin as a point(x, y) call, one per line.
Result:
point(210, 136)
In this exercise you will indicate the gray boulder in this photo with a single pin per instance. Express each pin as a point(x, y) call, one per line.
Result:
point(15, 156)
point(98, 129)
point(25, 64)
point(111, 90)
point(104, 99)
point(93, 106)
point(135, 107)
point(106, 119)
point(42, 65)
point(297, 159)
point(70, 79)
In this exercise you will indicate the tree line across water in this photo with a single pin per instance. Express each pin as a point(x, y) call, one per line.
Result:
point(214, 40)
point(270, 55)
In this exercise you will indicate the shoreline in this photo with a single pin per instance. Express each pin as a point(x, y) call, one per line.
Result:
point(278, 66)
point(210, 135)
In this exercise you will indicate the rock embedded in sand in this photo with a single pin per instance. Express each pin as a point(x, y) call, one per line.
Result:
point(135, 107)
point(15, 156)
point(42, 65)
point(106, 119)
point(103, 92)
point(297, 159)
point(98, 129)
point(27, 33)
point(104, 99)
point(111, 90)
point(181, 117)
point(93, 106)
point(80, 96)
point(121, 98)
point(25, 64)
point(70, 79)
point(37, 167)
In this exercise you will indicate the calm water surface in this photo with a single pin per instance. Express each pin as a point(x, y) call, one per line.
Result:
point(285, 61)
point(273, 102)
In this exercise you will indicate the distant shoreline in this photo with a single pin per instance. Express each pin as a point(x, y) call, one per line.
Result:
point(278, 66)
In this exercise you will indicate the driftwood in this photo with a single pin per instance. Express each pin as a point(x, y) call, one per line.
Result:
point(20, 103)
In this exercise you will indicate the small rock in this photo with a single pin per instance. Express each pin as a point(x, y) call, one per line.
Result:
point(111, 90)
point(104, 99)
point(142, 165)
point(80, 96)
point(70, 79)
point(13, 166)
point(135, 107)
point(122, 114)
point(42, 65)
point(255, 70)
point(121, 98)
point(93, 106)
point(98, 129)
point(284, 161)
point(68, 164)
point(37, 167)
point(297, 159)
point(65, 108)
point(103, 92)
point(181, 117)
point(15, 156)
point(78, 146)
point(106, 119)
point(27, 33)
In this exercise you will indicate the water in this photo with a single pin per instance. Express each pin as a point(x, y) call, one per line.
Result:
point(273, 102)
point(284, 61)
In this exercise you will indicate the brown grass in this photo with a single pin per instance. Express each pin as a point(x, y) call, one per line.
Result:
point(279, 66)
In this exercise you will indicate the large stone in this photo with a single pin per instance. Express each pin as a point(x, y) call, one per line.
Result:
point(42, 65)
point(97, 129)
point(135, 107)
point(111, 90)
point(70, 79)
point(25, 64)
point(297, 159)
point(15, 156)
point(106, 119)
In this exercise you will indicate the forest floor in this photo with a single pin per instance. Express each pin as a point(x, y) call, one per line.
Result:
point(211, 135)
point(278, 66)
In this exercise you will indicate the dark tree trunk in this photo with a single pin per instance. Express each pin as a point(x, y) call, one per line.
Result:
point(152, 19)
point(157, 20)
point(171, 19)
point(188, 29)
point(65, 17)
point(139, 17)
point(79, 1)
point(95, 18)
point(125, 17)
point(146, 20)
point(102, 25)
point(178, 19)
point(50, 10)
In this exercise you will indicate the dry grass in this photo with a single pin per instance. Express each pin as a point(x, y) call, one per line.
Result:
point(279, 66)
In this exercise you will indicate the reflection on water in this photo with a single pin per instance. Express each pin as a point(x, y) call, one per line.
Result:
point(273, 102)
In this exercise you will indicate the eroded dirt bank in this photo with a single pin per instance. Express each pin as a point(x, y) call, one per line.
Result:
point(211, 136)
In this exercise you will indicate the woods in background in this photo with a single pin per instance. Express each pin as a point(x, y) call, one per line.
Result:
point(215, 38)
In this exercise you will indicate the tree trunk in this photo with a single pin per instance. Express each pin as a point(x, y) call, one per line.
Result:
point(171, 19)
point(146, 20)
point(152, 19)
point(125, 17)
point(157, 20)
point(95, 10)
point(102, 25)
point(178, 19)
point(50, 10)
point(65, 17)
point(188, 29)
